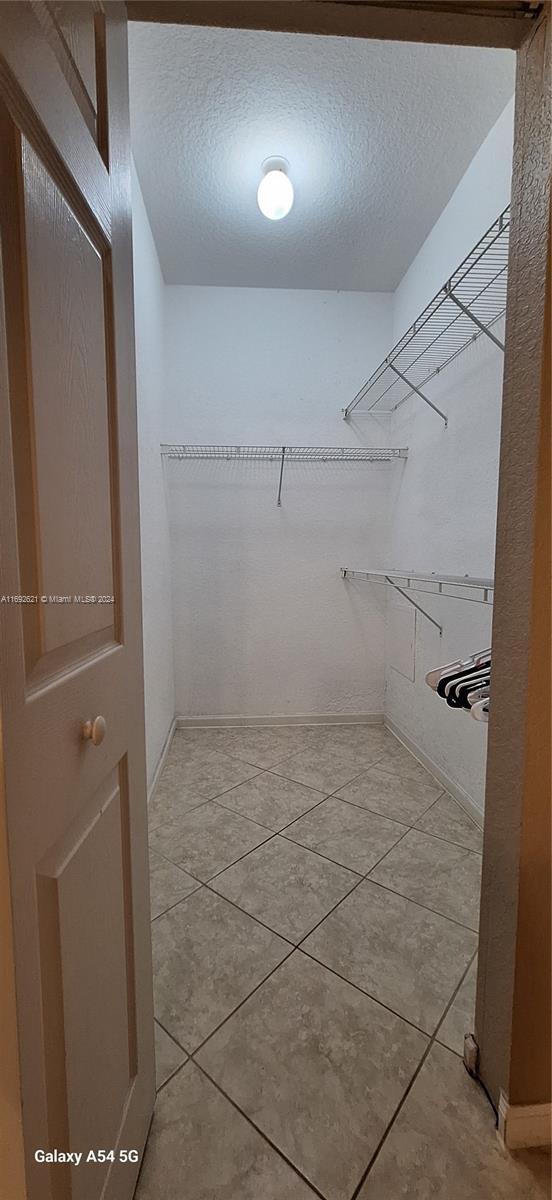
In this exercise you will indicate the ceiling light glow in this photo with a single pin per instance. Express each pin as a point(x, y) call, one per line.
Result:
point(275, 191)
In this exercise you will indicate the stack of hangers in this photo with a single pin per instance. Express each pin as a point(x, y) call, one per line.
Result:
point(465, 684)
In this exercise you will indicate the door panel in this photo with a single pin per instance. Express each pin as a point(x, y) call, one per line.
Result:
point(86, 933)
point(76, 812)
point(69, 413)
point(76, 24)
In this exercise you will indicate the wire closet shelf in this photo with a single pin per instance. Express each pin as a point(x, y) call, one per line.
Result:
point(285, 454)
point(469, 304)
point(455, 587)
point(291, 453)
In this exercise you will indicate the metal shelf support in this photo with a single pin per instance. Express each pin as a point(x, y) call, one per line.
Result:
point(455, 587)
point(279, 500)
point(468, 313)
point(347, 574)
point(419, 392)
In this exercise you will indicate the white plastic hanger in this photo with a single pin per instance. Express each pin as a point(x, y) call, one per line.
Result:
point(480, 710)
point(455, 668)
point(480, 693)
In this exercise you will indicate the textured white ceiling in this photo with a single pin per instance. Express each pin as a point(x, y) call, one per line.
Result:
point(377, 135)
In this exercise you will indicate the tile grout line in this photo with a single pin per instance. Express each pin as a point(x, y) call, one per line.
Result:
point(435, 911)
point(226, 899)
point(243, 1001)
point(345, 897)
point(388, 1128)
point(261, 1133)
point(363, 992)
point(174, 1039)
point(271, 834)
point(170, 907)
point(316, 804)
point(453, 998)
point(408, 1089)
point(244, 913)
point(325, 796)
point(281, 832)
point(159, 1089)
point(194, 808)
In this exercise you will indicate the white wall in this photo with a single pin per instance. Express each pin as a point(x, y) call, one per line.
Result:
point(483, 193)
point(444, 509)
point(156, 585)
point(263, 623)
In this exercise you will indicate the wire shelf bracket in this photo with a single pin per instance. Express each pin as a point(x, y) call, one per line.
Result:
point(465, 308)
point(285, 454)
point(456, 587)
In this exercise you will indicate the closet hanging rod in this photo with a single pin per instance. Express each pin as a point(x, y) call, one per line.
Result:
point(284, 454)
point(455, 587)
point(466, 308)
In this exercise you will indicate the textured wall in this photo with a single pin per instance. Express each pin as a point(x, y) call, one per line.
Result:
point(443, 519)
point(483, 192)
point(157, 617)
point(444, 512)
point(263, 623)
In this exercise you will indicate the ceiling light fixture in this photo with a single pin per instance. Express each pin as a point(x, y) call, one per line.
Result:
point(275, 191)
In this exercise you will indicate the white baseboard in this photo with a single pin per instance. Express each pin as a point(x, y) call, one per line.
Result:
point(522, 1126)
point(303, 719)
point(161, 760)
point(464, 800)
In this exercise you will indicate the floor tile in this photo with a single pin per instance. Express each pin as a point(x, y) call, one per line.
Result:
point(207, 957)
point(200, 1146)
point(404, 956)
point(261, 746)
point(363, 744)
point(351, 836)
point(443, 1144)
point(170, 799)
point(391, 795)
point(460, 1018)
point(208, 839)
point(168, 1056)
point(444, 877)
point(168, 884)
point(319, 1067)
point(197, 739)
point(397, 760)
point(319, 768)
point(204, 773)
point(285, 886)
point(448, 820)
point(271, 800)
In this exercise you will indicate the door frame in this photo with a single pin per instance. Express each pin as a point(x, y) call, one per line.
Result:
point(525, 29)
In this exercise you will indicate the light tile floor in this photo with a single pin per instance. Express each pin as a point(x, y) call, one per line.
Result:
point(315, 901)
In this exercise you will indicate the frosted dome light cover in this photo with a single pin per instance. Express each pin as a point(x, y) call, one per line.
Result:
point(275, 194)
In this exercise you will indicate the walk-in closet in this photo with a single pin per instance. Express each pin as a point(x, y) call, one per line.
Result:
point(320, 239)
